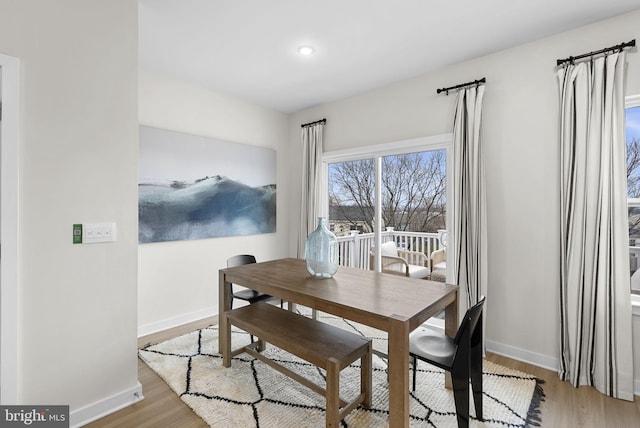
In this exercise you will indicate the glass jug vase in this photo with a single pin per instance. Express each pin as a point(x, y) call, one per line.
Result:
point(321, 251)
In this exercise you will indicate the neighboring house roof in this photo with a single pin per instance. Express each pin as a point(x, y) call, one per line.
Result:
point(350, 213)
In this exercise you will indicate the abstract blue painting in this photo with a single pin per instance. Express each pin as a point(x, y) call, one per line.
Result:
point(193, 187)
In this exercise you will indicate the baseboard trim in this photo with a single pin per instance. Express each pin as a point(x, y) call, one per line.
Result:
point(169, 323)
point(102, 408)
point(523, 355)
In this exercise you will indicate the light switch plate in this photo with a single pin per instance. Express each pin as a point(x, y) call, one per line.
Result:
point(93, 233)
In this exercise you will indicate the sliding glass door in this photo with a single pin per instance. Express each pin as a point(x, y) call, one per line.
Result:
point(389, 193)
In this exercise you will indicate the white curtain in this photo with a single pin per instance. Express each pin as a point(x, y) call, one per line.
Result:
point(595, 301)
point(467, 247)
point(312, 184)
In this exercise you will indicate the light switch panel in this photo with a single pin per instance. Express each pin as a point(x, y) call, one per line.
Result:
point(93, 233)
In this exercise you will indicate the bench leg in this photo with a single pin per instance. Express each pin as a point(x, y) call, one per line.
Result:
point(333, 395)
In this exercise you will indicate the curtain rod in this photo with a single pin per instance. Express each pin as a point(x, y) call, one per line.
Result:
point(462, 85)
point(314, 123)
point(619, 47)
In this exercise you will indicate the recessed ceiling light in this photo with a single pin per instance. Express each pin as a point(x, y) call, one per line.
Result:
point(306, 50)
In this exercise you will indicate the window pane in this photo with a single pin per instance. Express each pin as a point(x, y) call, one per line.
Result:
point(633, 191)
point(351, 196)
point(414, 191)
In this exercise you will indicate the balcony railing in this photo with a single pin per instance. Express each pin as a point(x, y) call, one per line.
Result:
point(354, 249)
point(634, 264)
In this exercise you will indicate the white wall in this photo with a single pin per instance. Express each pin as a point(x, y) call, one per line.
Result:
point(78, 163)
point(178, 281)
point(522, 161)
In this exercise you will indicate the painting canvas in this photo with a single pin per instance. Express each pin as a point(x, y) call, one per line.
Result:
point(193, 187)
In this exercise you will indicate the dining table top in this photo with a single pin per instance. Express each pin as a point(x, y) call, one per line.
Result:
point(360, 293)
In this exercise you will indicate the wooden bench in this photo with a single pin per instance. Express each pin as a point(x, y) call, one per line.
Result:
point(323, 345)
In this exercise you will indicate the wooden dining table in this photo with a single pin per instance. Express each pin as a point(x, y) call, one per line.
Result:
point(391, 303)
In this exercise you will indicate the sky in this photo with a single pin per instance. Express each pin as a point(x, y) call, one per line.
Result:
point(170, 155)
point(633, 123)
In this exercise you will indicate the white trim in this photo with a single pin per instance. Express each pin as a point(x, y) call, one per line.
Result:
point(635, 305)
point(632, 101)
point(442, 141)
point(104, 407)
point(166, 324)
point(540, 360)
point(377, 261)
point(10, 69)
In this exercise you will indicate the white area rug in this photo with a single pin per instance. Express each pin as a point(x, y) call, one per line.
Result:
point(251, 394)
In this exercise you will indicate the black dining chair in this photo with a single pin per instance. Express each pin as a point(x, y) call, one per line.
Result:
point(461, 356)
point(247, 294)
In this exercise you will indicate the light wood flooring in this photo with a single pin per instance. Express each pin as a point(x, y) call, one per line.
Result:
point(564, 405)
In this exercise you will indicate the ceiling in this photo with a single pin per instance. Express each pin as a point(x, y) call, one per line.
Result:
point(248, 48)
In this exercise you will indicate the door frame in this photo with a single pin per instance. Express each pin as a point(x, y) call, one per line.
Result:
point(9, 164)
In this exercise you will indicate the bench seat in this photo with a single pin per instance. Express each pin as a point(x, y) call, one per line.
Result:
point(321, 344)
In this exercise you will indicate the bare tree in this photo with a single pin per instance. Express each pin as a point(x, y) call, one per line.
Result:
point(352, 190)
point(413, 190)
point(633, 172)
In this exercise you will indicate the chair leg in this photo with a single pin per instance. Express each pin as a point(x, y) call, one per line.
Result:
point(415, 369)
point(461, 397)
point(476, 379)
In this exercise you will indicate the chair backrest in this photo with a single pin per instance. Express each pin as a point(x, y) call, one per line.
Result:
point(239, 260)
point(438, 256)
point(470, 321)
point(389, 249)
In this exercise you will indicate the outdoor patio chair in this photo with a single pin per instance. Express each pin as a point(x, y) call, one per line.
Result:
point(438, 265)
point(402, 262)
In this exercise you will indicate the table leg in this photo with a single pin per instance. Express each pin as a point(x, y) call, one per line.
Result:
point(450, 329)
point(398, 373)
point(224, 304)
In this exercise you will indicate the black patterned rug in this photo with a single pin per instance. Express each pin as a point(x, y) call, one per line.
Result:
point(251, 394)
